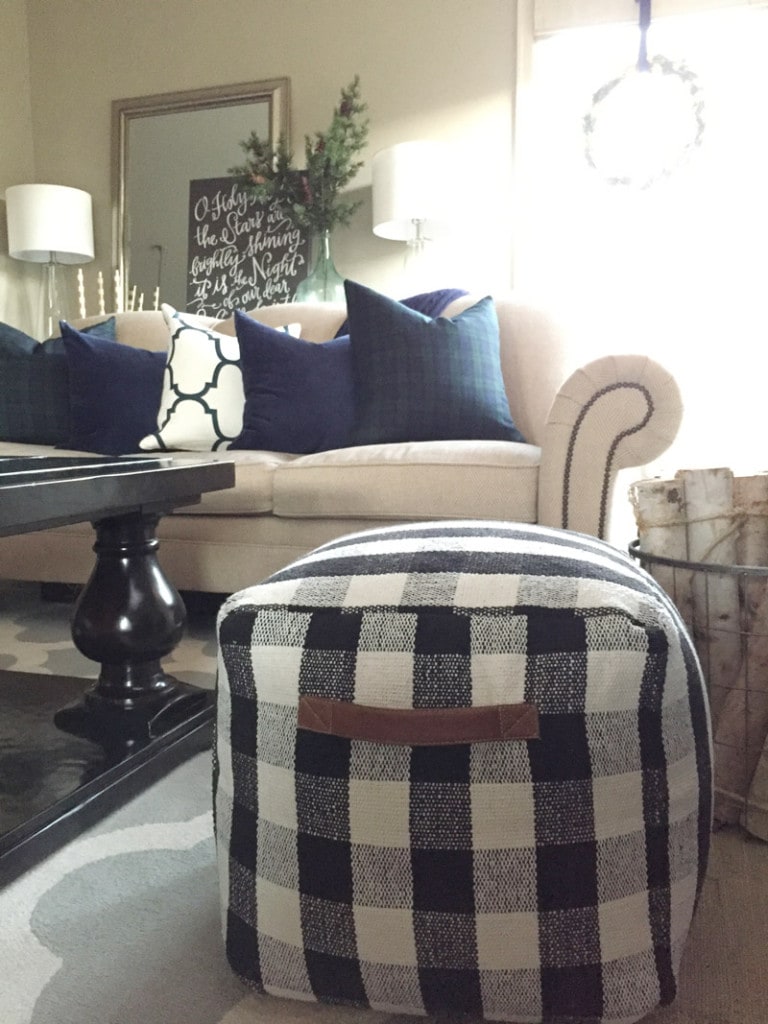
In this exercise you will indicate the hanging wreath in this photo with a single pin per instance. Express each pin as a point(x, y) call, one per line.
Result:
point(644, 124)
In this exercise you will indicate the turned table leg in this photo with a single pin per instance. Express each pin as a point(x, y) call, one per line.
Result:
point(128, 617)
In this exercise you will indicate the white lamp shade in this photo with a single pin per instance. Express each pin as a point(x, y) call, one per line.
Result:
point(409, 184)
point(49, 222)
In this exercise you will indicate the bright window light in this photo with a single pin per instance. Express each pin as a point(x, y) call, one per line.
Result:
point(642, 125)
point(677, 269)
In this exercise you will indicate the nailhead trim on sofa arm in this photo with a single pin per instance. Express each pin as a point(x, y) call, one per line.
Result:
point(631, 399)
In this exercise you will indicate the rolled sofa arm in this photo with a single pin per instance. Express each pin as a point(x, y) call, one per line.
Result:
point(615, 412)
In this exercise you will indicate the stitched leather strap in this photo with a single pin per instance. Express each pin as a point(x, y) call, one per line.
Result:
point(419, 727)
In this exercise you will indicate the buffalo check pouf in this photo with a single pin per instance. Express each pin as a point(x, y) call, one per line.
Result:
point(461, 769)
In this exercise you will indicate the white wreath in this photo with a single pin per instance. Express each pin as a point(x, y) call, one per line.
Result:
point(644, 124)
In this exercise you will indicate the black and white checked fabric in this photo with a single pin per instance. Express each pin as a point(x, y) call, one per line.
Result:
point(541, 880)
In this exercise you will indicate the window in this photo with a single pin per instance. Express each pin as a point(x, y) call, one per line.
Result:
point(679, 269)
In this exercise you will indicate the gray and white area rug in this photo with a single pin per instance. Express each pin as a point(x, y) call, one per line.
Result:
point(35, 636)
point(122, 925)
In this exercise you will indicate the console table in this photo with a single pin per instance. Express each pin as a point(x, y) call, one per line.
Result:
point(70, 750)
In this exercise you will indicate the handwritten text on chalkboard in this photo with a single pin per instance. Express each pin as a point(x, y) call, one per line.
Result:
point(241, 253)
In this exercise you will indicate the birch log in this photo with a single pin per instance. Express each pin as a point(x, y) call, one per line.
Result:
point(755, 817)
point(716, 613)
point(741, 731)
point(661, 529)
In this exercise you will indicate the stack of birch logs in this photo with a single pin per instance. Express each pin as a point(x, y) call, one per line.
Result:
point(709, 516)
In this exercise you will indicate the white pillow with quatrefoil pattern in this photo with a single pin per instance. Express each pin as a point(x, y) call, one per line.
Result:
point(201, 408)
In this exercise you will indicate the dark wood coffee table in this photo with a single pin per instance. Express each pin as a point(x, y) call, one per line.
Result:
point(71, 750)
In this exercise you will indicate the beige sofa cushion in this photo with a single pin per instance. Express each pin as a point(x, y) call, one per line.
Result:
point(415, 480)
point(253, 490)
point(424, 479)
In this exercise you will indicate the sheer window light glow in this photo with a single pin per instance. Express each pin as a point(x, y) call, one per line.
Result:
point(641, 126)
point(678, 269)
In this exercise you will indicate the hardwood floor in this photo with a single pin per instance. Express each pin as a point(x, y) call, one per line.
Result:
point(724, 976)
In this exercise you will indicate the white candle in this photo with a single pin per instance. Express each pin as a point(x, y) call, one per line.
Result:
point(157, 298)
point(118, 293)
point(81, 291)
point(100, 286)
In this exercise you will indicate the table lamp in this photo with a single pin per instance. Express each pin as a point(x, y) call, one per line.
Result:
point(410, 200)
point(52, 225)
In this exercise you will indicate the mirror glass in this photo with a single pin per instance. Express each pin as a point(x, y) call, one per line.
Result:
point(160, 144)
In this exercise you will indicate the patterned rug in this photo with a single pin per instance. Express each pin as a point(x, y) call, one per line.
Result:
point(122, 925)
point(35, 637)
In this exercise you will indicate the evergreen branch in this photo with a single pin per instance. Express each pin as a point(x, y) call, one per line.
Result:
point(312, 193)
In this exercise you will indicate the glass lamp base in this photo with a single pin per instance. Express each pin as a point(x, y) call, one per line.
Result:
point(51, 309)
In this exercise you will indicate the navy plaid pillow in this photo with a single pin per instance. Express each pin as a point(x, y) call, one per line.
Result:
point(424, 379)
point(34, 386)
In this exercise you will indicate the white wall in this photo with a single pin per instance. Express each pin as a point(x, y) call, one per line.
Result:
point(19, 282)
point(438, 69)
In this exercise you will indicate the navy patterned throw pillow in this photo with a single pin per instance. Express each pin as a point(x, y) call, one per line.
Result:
point(34, 386)
point(424, 379)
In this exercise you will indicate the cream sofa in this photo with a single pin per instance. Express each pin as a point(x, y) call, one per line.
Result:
point(582, 424)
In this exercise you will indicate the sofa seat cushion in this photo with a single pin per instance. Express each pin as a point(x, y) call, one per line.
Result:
point(252, 493)
point(412, 480)
point(8, 448)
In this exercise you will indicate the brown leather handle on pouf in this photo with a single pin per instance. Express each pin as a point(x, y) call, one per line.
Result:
point(419, 727)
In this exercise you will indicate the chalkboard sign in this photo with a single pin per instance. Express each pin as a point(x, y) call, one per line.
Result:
point(241, 253)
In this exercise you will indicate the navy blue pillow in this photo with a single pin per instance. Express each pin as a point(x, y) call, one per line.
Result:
point(114, 393)
point(34, 386)
point(423, 379)
point(14, 342)
point(298, 394)
point(430, 303)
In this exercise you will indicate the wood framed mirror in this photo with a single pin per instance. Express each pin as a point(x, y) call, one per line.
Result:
point(160, 144)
